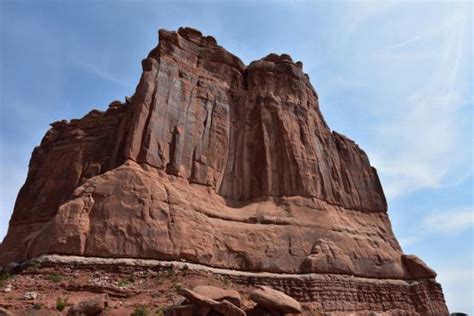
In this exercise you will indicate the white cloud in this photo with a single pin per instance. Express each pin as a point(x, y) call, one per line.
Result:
point(455, 270)
point(450, 222)
point(457, 286)
point(449, 275)
point(447, 223)
point(417, 140)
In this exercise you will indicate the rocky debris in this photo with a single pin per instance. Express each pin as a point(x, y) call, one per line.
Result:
point(118, 287)
point(90, 307)
point(218, 294)
point(31, 295)
point(160, 292)
point(217, 163)
point(112, 291)
point(7, 288)
point(100, 280)
point(274, 300)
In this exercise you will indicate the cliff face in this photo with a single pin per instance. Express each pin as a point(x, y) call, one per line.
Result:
point(213, 162)
point(244, 131)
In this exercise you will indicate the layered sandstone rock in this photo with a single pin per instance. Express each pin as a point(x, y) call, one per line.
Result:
point(212, 162)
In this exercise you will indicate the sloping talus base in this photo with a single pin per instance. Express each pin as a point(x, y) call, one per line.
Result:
point(328, 293)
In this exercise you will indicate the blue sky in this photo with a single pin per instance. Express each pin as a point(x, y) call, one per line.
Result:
point(394, 76)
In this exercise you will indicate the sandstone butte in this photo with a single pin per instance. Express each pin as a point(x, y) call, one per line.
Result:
point(226, 165)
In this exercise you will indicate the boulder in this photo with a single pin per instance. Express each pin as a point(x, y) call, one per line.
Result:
point(203, 305)
point(5, 312)
point(228, 309)
point(90, 307)
point(275, 300)
point(218, 294)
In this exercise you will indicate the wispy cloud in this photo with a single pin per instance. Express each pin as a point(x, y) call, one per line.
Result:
point(99, 72)
point(405, 42)
point(450, 222)
point(361, 11)
point(459, 275)
point(417, 141)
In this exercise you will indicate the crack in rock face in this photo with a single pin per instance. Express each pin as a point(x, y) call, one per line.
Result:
point(218, 163)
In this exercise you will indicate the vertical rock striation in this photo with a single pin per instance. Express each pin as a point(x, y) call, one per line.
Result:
point(247, 132)
point(219, 163)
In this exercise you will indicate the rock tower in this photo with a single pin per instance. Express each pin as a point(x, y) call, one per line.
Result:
point(225, 165)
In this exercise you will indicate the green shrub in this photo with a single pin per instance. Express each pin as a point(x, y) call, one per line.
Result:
point(170, 270)
point(127, 281)
point(225, 281)
point(122, 283)
point(4, 277)
point(61, 303)
point(141, 311)
point(55, 278)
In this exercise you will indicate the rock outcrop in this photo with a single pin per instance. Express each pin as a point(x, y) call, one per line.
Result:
point(214, 162)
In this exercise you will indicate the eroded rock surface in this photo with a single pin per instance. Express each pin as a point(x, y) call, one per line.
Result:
point(213, 162)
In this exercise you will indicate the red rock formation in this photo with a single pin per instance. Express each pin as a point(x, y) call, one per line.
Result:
point(213, 162)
